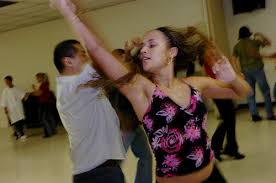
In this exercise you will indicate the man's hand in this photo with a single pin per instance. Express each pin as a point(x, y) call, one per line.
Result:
point(259, 36)
point(273, 55)
point(134, 43)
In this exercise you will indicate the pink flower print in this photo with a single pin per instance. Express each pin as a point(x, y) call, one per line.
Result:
point(165, 170)
point(197, 155)
point(169, 111)
point(161, 132)
point(158, 93)
point(192, 106)
point(148, 122)
point(191, 122)
point(155, 143)
point(192, 132)
point(172, 141)
point(197, 95)
point(172, 162)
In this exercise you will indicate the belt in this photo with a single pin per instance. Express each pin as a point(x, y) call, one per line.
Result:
point(93, 172)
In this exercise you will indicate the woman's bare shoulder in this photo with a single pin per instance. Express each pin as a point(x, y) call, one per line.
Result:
point(197, 82)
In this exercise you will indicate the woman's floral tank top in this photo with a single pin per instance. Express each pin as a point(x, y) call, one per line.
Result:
point(178, 135)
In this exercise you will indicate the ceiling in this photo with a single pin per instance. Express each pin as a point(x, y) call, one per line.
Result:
point(30, 12)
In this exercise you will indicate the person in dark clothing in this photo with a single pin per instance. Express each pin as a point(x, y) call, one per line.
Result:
point(46, 100)
point(226, 108)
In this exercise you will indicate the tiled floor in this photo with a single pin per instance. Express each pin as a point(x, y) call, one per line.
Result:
point(41, 160)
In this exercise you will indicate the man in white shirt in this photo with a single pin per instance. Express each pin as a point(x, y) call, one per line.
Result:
point(11, 100)
point(88, 117)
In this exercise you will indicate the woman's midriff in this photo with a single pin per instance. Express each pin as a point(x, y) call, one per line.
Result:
point(195, 177)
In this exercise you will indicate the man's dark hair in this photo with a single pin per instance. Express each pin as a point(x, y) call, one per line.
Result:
point(9, 78)
point(64, 49)
point(244, 32)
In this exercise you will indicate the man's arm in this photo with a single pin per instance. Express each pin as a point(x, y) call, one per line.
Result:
point(264, 40)
point(270, 56)
point(236, 66)
point(4, 102)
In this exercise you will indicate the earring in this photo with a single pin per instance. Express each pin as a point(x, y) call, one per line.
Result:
point(169, 61)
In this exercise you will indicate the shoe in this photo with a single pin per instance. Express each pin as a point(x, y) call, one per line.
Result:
point(239, 156)
point(235, 155)
point(256, 118)
point(271, 118)
point(23, 138)
point(217, 156)
point(46, 136)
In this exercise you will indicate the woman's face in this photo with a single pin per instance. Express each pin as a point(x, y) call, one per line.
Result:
point(155, 53)
point(39, 78)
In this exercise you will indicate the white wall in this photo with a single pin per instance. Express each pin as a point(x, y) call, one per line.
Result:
point(262, 20)
point(27, 51)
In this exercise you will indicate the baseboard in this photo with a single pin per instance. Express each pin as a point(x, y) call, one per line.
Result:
point(245, 106)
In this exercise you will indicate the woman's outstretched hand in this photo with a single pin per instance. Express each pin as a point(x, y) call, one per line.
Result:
point(223, 70)
point(66, 7)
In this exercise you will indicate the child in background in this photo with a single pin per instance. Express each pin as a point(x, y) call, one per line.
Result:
point(11, 100)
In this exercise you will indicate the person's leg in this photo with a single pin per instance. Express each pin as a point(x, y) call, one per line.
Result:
point(21, 130)
point(21, 126)
point(218, 137)
point(18, 127)
point(51, 118)
point(14, 133)
point(142, 151)
point(250, 78)
point(43, 117)
point(231, 147)
point(101, 175)
point(230, 121)
point(264, 87)
point(17, 133)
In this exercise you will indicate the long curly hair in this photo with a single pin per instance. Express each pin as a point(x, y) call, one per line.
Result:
point(190, 43)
